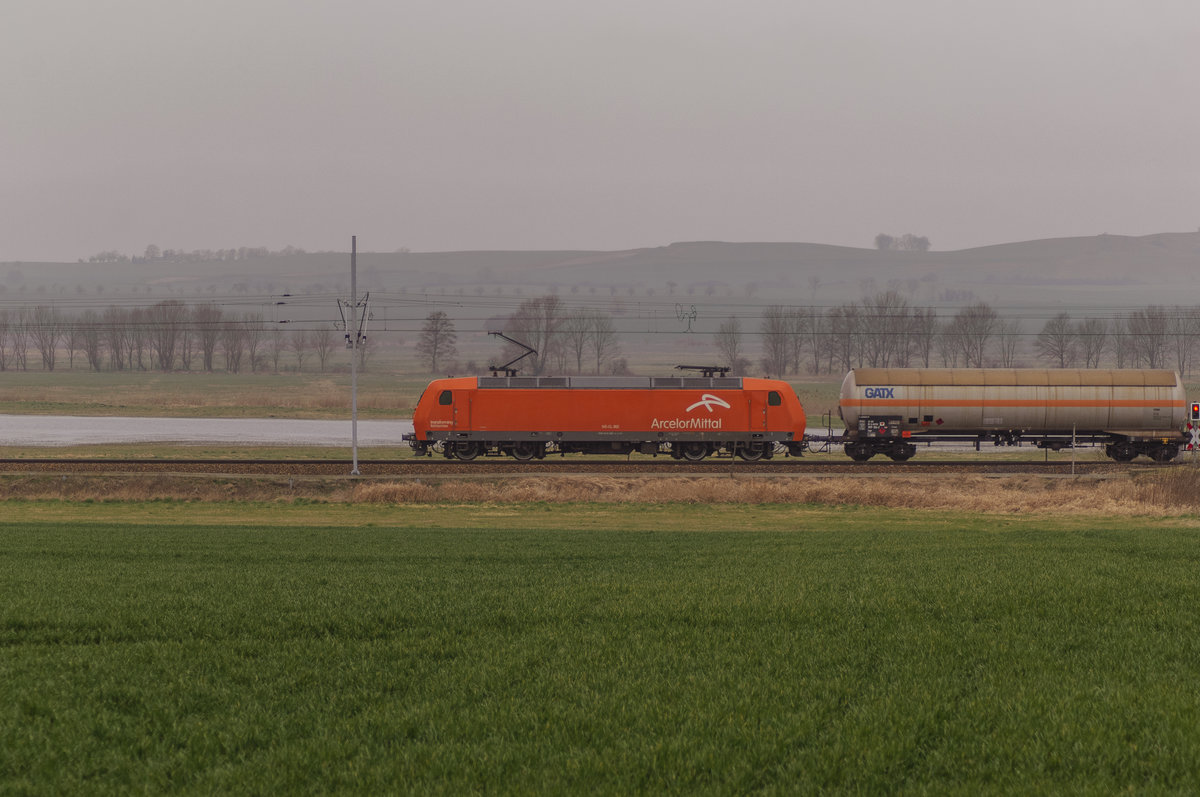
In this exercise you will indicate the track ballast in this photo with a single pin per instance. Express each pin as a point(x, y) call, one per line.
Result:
point(418, 467)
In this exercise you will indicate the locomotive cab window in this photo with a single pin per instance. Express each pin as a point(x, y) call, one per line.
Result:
point(774, 399)
point(446, 398)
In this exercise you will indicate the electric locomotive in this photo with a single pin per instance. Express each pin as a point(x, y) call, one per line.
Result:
point(527, 417)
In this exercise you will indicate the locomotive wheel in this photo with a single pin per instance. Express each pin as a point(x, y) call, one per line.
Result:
point(751, 452)
point(1122, 452)
point(693, 452)
point(523, 452)
point(465, 450)
point(859, 452)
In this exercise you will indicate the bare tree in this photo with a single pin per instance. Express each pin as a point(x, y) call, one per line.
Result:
point(884, 329)
point(1092, 335)
point(798, 324)
point(298, 343)
point(577, 332)
point(1147, 330)
point(164, 322)
point(970, 331)
point(924, 330)
point(233, 345)
point(1057, 342)
point(72, 339)
point(437, 341)
point(115, 326)
point(4, 340)
point(206, 318)
point(728, 341)
point(818, 328)
point(1008, 335)
point(1183, 326)
point(253, 333)
point(603, 340)
point(1120, 343)
point(323, 341)
point(845, 336)
point(138, 339)
point(92, 338)
point(947, 347)
point(19, 336)
point(276, 344)
point(187, 346)
point(47, 332)
point(776, 340)
point(537, 323)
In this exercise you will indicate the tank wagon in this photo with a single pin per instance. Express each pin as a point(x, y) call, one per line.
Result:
point(1128, 411)
point(687, 417)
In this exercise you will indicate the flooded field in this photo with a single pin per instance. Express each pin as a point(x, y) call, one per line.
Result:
point(65, 430)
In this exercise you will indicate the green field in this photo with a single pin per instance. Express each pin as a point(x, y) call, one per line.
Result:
point(206, 648)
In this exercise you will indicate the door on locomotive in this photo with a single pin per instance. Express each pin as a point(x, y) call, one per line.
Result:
point(759, 403)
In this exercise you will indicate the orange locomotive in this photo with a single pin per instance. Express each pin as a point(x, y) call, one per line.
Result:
point(687, 417)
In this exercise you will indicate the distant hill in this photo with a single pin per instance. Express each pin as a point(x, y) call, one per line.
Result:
point(1098, 270)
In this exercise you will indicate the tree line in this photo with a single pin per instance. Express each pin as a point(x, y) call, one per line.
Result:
point(167, 336)
point(155, 254)
point(885, 331)
point(880, 331)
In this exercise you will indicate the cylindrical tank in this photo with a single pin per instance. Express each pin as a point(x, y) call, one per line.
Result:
point(1030, 400)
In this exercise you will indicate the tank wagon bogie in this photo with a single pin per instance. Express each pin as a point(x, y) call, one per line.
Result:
point(688, 418)
point(1129, 412)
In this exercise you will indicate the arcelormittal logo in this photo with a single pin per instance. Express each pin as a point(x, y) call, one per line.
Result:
point(708, 401)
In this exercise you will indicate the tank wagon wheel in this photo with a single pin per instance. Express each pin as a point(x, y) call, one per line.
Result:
point(752, 452)
point(902, 452)
point(1164, 453)
point(1122, 452)
point(859, 452)
point(464, 450)
point(524, 452)
point(693, 452)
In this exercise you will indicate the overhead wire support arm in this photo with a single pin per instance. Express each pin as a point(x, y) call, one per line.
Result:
point(507, 368)
point(358, 319)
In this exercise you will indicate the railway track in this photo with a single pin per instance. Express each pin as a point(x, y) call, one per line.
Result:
point(428, 467)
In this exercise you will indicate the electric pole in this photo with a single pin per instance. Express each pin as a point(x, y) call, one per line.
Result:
point(355, 339)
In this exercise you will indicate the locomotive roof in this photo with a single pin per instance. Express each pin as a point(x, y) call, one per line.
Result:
point(1135, 377)
point(613, 382)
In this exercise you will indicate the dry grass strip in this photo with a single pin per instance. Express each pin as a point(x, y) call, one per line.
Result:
point(1174, 491)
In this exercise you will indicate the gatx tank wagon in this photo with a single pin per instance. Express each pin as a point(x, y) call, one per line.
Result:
point(689, 418)
point(1128, 411)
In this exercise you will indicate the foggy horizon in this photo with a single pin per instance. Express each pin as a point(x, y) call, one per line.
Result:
point(536, 125)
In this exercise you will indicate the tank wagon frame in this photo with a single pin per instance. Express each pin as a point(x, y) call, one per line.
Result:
point(1130, 412)
point(688, 418)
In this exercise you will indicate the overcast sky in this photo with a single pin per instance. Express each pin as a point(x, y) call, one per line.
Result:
point(557, 124)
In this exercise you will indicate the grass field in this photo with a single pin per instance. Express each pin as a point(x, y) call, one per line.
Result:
point(256, 648)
